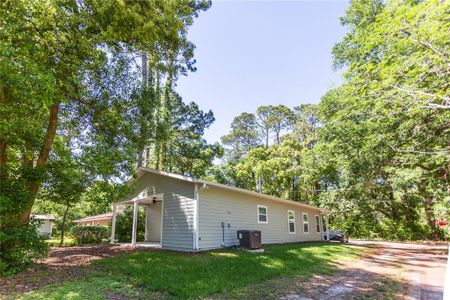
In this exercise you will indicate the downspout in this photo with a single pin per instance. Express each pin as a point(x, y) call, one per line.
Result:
point(197, 191)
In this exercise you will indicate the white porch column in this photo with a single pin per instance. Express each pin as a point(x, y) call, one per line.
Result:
point(322, 237)
point(113, 224)
point(146, 224)
point(135, 216)
point(326, 224)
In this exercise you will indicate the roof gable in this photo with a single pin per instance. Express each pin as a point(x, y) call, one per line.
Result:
point(143, 170)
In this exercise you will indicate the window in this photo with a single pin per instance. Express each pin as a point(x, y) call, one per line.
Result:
point(305, 223)
point(317, 224)
point(262, 214)
point(291, 221)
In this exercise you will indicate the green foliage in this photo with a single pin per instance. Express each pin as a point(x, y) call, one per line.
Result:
point(89, 234)
point(282, 169)
point(375, 151)
point(388, 124)
point(243, 137)
point(24, 245)
point(181, 148)
point(77, 112)
point(273, 119)
point(124, 225)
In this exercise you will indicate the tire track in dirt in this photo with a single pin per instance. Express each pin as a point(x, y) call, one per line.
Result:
point(396, 270)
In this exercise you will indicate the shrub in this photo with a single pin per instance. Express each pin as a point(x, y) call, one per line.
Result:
point(19, 246)
point(124, 224)
point(89, 234)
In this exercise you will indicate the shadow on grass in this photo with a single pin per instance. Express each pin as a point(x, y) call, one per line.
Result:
point(224, 273)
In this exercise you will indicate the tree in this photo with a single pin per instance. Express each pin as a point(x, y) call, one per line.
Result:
point(65, 182)
point(186, 151)
point(66, 65)
point(273, 119)
point(375, 151)
point(280, 119)
point(388, 123)
point(243, 137)
point(264, 121)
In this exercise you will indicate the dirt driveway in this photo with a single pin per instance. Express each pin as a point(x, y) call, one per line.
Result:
point(386, 270)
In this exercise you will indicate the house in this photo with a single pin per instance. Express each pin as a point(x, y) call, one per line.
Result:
point(46, 224)
point(103, 220)
point(188, 214)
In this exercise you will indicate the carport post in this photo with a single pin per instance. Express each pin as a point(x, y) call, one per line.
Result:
point(146, 224)
point(135, 216)
point(326, 224)
point(113, 224)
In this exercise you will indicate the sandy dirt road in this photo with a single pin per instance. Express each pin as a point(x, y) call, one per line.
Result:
point(386, 270)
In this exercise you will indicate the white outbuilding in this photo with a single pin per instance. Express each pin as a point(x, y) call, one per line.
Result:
point(46, 225)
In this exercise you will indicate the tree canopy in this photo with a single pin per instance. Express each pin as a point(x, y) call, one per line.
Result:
point(74, 100)
point(375, 150)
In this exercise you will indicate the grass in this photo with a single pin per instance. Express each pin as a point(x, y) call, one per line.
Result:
point(227, 272)
point(68, 241)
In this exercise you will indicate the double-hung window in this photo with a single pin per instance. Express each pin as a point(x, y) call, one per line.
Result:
point(317, 224)
point(305, 223)
point(262, 214)
point(291, 221)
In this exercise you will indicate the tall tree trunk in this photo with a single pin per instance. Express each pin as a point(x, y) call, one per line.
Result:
point(141, 144)
point(165, 115)
point(267, 139)
point(63, 225)
point(394, 211)
point(427, 203)
point(35, 182)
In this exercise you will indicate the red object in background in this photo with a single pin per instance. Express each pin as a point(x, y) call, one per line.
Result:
point(441, 223)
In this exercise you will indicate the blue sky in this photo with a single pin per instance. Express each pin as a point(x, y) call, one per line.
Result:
point(252, 53)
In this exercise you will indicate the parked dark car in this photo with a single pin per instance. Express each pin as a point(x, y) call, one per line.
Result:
point(336, 236)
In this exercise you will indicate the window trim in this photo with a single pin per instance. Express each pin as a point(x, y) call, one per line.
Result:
point(257, 214)
point(318, 225)
point(303, 222)
point(293, 221)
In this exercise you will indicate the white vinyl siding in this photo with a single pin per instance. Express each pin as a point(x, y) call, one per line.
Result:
point(263, 218)
point(45, 228)
point(305, 219)
point(154, 222)
point(239, 211)
point(291, 221)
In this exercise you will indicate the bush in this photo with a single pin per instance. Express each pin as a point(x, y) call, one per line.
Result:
point(124, 224)
point(89, 234)
point(20, 244)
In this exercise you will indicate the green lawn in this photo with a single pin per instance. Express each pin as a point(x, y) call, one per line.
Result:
point(68, 241)
point(221, 273)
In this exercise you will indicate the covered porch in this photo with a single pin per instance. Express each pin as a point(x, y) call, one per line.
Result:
point(153, 207)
